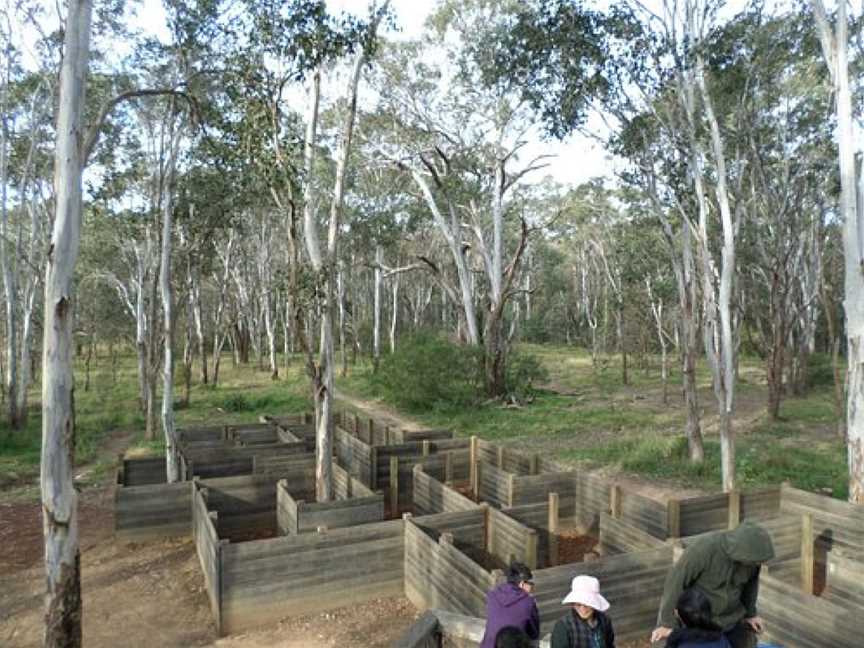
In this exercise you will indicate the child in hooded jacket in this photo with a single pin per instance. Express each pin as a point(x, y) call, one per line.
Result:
point(697, 629)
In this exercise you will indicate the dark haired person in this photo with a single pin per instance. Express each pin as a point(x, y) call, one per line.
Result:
point(512, 637)
point(697, 629)
point(586, 624)
point(511, 604)
point(725, 567)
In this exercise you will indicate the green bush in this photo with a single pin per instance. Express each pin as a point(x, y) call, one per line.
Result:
point(236, 403)
point(523, 372)
point(820, 373)
point(430, 372)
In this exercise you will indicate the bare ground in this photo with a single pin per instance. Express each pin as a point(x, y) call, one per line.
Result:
point(152, 594)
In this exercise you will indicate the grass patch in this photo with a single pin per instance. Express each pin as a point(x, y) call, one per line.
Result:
point(604, 423)
point(110, 406)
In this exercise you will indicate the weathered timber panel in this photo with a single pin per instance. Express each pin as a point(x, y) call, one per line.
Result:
point(711, 512)
point(762, 504)
point(704, 514)
point(512, 461)
point(208, 549)
point(144, 471)
point(618, 537)
point(535, 489)
point(298, 468)
point(354, 456)
point(431, 496)
point(340, 513)
point(837, 524)
point(494, 485)
point(424, 435)
point(592, 497)
point(238, 460)
point(246, 504)
point(633, 584)
point(798, 620)
point(144, 512)
point(467, 527)
point(437, 465)
point(194, 434)
point(266, 580)
point(535, 516)
point(437, 575)
point(507, 537)
point(845, 579)
point(253, 433)
point(645, 513)
point(345, 486)
point(287, 514)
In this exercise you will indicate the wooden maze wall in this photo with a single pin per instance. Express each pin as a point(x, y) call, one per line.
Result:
point(445, 555)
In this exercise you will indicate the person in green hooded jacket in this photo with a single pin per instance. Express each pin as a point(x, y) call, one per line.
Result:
point(725, 566)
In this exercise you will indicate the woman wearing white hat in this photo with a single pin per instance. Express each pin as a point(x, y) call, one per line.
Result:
point(586, 624)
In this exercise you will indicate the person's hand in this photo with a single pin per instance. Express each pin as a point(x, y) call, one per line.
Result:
point(757, 624)
point(660, 633)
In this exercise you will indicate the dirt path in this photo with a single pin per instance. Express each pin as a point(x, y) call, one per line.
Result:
point(152, 594)
point(378, 411)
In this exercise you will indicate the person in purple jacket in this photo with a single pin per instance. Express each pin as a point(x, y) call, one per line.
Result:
point(511, 604)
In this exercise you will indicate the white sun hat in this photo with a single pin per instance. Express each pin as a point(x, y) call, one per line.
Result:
point(586, 590)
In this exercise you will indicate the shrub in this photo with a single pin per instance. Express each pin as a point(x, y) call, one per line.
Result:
point(236, 403)
point(428, 371)
point(523, 372)
point(819, 370)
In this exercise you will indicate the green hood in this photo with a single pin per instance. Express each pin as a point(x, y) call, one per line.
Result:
point(749, 544)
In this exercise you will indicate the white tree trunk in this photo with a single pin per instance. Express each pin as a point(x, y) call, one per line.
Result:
point(9, 276)
point(376, 312)
point(172, 463)
point(395, 314)
point(835, 48)
point(59, 499)
point(323, 374)
point(451, 231)
point(728, 351)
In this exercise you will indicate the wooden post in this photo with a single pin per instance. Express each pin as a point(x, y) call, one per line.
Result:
point(534, 461)
point(615, 501)
point(307, 418)
point(388, 439)
point(488, 528)
point(445, 539)
point(477, 480)
point(321, 530)
point(394, 486)
point(553, 529)
point(673, 518)
point(254, 464)
point(531, 550)
point(372, 432)
point(510, 487)
point(356, 426)
point(807, 557)
point(734, 508)
point(426, 448)
point(373, 468)
point(501, 457)
point(472, 463)
point(448, 468)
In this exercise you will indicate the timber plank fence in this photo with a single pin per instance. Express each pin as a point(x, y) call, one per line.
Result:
point(267, 550)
